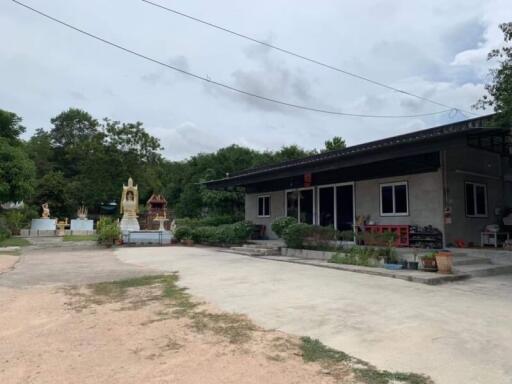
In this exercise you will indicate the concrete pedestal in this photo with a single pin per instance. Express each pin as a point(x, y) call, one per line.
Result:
point(79, 225)
point(43, 225)
point(129, 224)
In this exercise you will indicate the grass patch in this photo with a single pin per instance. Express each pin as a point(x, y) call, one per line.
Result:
point(14, 242)
point(315, 351)
point(237, 329)
point(80, 238)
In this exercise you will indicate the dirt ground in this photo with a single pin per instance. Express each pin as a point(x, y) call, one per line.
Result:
point(49, 336)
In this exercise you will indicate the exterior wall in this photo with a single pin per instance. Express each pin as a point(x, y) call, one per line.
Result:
point(472, 165)
point(276, 210)
point(425, 200)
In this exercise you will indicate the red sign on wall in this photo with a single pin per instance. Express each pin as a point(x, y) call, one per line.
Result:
point(307, 179)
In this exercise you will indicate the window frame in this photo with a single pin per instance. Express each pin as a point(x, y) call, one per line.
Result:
point(475, 215)
point(269, 206)
point(298, 205)
point(393, 185)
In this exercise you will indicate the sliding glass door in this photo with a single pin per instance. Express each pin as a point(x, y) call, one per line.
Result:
point(301, 205)
point(336, 206)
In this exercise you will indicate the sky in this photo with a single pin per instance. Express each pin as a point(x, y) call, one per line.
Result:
point(436, 49)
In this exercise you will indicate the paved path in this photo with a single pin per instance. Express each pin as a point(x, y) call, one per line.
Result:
point(68, 264)
point(457, 333)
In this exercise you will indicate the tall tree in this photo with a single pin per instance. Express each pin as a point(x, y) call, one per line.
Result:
point(499, 89)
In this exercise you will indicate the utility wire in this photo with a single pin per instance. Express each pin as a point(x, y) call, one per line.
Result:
point(222, 85)
point(374, 82)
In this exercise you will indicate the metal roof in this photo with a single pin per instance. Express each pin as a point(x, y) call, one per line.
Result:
point(425, 135)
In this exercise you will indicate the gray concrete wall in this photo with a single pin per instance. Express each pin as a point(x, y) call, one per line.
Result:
point(276, 210)
point(425, 200)
point(472, 165)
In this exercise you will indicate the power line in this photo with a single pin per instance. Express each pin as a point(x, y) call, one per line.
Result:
point(222, 85)
point(374, 82)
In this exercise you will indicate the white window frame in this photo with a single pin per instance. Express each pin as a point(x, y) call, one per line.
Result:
point(298, 202)
point(269, 205)
point(394, 213)
point(474, 197)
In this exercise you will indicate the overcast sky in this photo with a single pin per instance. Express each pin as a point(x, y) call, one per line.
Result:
point(433, 48)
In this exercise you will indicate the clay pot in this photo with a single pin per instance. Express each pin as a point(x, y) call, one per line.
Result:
point(444, 261)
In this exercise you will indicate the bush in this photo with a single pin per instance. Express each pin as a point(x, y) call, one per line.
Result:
point(227, 234)
point(279, 225)
point(5, 233)
point(365, 256)
point(108, 231)
point(183, 233)
point(210, 221)
point(295, 235)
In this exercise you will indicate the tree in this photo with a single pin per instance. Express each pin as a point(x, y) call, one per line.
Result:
point(53, 189)
point(499, 90)
point(334, 144)
point(17, 173)
point(10, 127)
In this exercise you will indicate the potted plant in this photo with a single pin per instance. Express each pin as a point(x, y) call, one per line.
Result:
point(414, 264)
point(444, 261)
point(429, 262)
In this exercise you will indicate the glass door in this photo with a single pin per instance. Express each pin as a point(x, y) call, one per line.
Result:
point(300, 204)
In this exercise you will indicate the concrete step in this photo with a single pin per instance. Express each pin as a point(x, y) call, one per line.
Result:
point(478, 270)
point(261, 246)
point(469, 260)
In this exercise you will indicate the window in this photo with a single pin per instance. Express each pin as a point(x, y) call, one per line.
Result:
point(394, 199)
point(264, 206)
point(476, 200)
point(300, 204)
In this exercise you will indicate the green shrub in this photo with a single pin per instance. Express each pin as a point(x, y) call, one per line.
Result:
point(108, 231)
point(279, 225)
point(183, 233)
point(364, 256)
point(5, 233)
point(17, 219)
point(227, 234)
point(295, 235)
point(209, 221)
point(346, 235)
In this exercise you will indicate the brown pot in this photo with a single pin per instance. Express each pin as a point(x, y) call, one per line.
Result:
point(429, 265)
point(188, 242)
point(444, 260)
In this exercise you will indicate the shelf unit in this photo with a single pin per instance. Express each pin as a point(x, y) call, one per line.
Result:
point(402, 232)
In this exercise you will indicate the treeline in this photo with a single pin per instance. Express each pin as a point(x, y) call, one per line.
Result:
point(81, 160)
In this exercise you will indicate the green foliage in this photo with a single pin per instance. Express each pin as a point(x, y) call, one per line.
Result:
point(315, 351)
point(17, 173)
point(17, 219)
point(499, 90)
point(5, 233)
point(365, 256)
point(205, 221)
point(14, 242)
point(295, 235)
point(334, 144)
point(279, 225)
point(183, 233)
point(10, 127)
point(108, 231)
point(227, 234)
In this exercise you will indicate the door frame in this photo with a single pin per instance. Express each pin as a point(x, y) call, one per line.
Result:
point(298, 202)
point(335, 185)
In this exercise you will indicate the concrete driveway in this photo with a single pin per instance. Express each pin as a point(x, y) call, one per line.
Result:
point(456, 333)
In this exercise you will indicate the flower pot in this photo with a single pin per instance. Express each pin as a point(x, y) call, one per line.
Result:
point(444, 260)
point(188, 242)
point(412, 265)
point(429, 265)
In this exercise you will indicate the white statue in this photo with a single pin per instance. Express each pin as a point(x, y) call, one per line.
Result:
point(130, 207)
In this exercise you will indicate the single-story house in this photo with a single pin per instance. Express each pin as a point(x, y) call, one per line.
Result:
point(453, 179)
